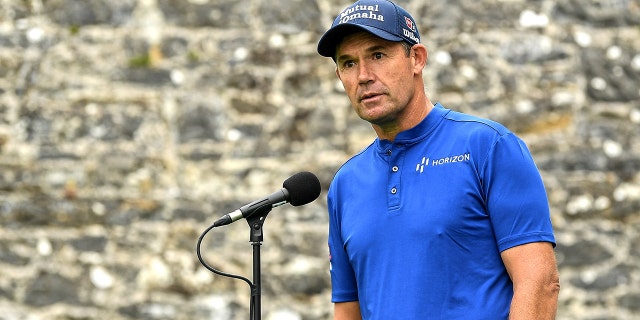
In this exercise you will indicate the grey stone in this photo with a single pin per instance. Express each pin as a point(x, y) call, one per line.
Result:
point(127, 127)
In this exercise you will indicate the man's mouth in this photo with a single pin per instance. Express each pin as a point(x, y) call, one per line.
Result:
point(369, 96)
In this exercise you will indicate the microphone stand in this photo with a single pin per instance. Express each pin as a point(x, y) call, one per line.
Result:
point(256, 237)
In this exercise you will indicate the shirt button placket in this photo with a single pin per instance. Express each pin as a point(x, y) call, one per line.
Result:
point(394, 169)
point(395, 159)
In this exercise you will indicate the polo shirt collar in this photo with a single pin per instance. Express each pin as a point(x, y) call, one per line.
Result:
point(423, 129)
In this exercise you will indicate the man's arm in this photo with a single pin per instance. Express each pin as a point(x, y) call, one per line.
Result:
point(536, 282)
point(347, 311)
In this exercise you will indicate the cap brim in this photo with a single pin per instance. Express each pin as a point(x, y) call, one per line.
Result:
point(333, 37)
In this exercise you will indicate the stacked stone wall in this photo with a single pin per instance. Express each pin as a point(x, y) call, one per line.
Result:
point(128, 126)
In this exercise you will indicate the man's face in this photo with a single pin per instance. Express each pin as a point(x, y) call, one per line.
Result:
point(377, 75)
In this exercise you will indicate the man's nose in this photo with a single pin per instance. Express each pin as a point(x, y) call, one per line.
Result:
point(364, 73)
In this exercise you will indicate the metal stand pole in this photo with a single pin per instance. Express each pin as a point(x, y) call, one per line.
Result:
point(255, 223)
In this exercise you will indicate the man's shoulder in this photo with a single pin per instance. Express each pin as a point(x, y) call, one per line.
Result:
point(355, 160)
point(473, 122)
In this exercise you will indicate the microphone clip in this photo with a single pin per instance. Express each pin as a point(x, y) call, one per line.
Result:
point(256, 221)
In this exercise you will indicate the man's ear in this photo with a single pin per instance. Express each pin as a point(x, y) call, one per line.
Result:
point(421, 56)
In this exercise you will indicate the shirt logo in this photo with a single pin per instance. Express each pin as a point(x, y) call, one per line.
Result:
point(428, 162)
point(420, 165)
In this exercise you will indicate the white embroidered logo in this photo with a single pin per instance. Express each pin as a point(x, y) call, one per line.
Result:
point(426, 162)
point(355, 12)
point(420, 165)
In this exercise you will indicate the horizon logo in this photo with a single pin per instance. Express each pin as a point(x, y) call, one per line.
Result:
point(425, 162)
point(420, 165)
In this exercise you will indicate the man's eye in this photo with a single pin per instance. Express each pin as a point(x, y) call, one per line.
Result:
point(377, 55)
point(348, 64)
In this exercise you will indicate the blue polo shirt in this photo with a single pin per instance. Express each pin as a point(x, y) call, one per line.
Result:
point(417, 225)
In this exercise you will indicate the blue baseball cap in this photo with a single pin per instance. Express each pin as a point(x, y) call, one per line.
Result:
point(382, 18)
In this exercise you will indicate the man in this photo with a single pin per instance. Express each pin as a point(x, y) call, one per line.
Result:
point(444, 215)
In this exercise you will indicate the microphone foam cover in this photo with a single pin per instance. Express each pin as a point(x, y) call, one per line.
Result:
point(303, 188)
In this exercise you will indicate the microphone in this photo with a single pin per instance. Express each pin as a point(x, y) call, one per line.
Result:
point(299, 189)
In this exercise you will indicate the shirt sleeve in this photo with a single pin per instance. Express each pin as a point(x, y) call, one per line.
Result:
point(516, 198)
point(343, 281)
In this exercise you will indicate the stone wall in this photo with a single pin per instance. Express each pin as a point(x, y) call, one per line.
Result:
point(128, 126)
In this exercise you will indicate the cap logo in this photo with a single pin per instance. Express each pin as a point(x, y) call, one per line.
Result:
point(410, 24)
point(356, 12)
point(380, 18)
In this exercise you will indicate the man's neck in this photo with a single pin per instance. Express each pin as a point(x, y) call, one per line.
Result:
point(407, 121)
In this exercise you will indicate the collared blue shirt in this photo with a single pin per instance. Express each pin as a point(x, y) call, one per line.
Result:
point(417, 225)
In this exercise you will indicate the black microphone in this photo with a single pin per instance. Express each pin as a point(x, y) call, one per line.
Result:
point(299, 189)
